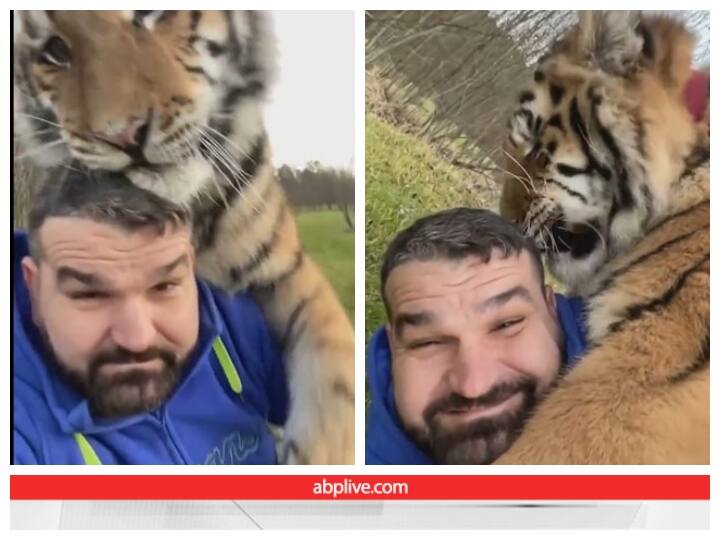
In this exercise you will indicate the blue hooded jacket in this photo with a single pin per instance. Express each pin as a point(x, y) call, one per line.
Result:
point(385, 441)
point(204, 421)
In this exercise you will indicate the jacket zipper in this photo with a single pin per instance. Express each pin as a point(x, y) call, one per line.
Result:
point(172, 443)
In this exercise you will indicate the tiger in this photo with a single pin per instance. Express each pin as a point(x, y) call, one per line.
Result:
point(174, 100)
point(608, 171)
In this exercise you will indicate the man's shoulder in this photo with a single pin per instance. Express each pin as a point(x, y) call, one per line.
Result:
point(253, 341)
point(242, 320)
point(239, 312)
point(571, 309)
point(33, 423)
point(386, 442)
point(571, 313)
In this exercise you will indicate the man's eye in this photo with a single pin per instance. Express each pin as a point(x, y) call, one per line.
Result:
point(88, 295)
point(424, 344)
point(508, 324)
point(165, 287)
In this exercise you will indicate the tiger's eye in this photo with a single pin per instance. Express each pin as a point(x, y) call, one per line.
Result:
point(215, 48)
point(56, 52)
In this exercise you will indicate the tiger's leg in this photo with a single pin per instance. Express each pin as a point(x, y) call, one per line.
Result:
point(319, 347)
point(255, 247)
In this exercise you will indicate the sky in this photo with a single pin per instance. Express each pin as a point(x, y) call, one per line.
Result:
point(310, 115)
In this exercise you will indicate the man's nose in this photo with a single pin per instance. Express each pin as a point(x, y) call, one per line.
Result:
point(133, 327)
point(475, 369)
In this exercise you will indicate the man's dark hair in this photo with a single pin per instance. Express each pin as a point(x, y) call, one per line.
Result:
point(453, 235)
point(101, 196)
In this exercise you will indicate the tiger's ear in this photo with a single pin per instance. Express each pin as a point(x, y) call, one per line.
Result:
point(611, 40)
point(17, 22)
point(35, 24)
point(253, 36)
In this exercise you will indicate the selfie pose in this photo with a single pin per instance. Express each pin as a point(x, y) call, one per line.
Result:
point(173, 100)
point(606, 177)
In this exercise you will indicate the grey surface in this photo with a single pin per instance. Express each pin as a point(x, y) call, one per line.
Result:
point(358, 515)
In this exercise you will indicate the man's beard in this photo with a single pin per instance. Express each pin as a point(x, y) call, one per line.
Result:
point(126, 393)
point(475, 442)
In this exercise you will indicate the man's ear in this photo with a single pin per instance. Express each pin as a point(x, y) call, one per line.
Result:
point(390, 335)
point(550, 298)
point(30, 273)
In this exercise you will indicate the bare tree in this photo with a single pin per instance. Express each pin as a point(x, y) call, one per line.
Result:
point(318, 186)
point(459, 71)
point(347, 214)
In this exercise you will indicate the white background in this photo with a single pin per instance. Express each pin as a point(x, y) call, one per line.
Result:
point(36, 513)
point(310, 115)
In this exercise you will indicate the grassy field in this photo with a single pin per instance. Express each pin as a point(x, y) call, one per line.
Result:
point(328, 240)
point(405, 179)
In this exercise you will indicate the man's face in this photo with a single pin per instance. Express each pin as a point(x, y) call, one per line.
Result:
point(118, 309)
point(473, 345)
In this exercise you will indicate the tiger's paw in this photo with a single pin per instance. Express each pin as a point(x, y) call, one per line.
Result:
point(325, 436)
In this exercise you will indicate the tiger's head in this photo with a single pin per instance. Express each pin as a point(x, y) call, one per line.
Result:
point(597, 142)
point(140, 91)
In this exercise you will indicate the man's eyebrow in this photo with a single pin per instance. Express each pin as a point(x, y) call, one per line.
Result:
point(412, 319)
point(65, 273)
point(503, 298)
point(167, 268)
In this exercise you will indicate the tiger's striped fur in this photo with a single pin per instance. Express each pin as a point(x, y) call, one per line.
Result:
point(641, 393)
point(605, 140)
point(174, 100)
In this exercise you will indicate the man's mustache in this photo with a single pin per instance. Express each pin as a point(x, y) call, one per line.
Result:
point(120, 355)
point(442, 442)
point(497, 394)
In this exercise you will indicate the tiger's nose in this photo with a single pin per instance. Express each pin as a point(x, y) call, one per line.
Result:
point(132, 135)
point(130, 139)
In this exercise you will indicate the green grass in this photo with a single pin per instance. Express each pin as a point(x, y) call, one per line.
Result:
point(405, 179)
point(330, 242)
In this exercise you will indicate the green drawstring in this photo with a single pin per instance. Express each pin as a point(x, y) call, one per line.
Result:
point(227, 365)
point(86, 450)
point(88, 454)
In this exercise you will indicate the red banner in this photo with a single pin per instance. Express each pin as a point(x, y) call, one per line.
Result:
point(379, 487)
